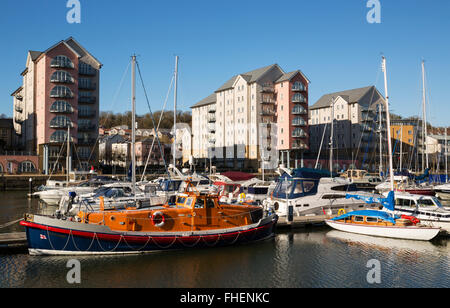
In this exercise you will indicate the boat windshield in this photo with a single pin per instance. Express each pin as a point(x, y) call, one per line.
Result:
point(426, 202)
point(438, 203)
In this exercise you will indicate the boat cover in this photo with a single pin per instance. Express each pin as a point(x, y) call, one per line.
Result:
point(370, 213)
point(388, 202)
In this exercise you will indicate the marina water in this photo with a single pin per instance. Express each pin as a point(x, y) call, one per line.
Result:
point(312, 257)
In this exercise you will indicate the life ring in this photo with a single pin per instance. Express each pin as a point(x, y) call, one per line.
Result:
point(342, 212)
point(158, 219)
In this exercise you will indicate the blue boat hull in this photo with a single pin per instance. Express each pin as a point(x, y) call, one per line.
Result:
point(45, 239)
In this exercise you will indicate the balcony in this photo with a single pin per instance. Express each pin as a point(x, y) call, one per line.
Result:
point(18, 108)
point(298, 122)
point(267, 100)
point(298, 87)
point(18, 120)
point(87, 86)
point(267, 112)
point(86, 141)
point(87, 99)
point(211, 128)
point(62, 78)
point(86, 127)
point(299, 133)
point(86, 113)
point(299, 110)
point(211, 118)
point(299, 146)
point(212, 108)
point(298, 98)
point(268, 88)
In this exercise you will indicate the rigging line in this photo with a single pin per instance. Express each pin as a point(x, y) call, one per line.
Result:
point(157, 129)
point(57, 160)
point(367, 117)
point(153, 121)
point(113, 103)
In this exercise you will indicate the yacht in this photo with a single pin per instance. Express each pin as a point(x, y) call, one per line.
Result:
point(443, 191)
point(311, 192)
point(427, 209)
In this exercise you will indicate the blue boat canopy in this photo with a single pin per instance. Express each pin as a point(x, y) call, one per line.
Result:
point(370, 213)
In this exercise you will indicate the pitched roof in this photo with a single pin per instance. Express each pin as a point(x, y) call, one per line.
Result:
point(250, 77)
point(365, 97)
point(290, 75)
point(206, 101)
point(34, 54)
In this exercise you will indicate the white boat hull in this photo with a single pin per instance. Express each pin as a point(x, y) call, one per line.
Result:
point(407, 233)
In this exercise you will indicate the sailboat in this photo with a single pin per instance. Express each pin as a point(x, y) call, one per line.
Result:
point(378, 222)
point(195, 220)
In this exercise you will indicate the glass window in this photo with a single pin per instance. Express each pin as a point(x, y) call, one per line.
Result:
point(61, 61)
point(61, 106)
point(61, 91)
point(59, 137)
point(308, 186)
point(61, 76)
point(199, 203)
point(60, 122)
point(26, 167)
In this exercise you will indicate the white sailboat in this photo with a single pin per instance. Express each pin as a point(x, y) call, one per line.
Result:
point(383, 223)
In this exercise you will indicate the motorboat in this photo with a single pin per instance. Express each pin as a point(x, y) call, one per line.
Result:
point(311, 192)
point(362, 179)
point(443, 191)
point(404, 184)
point(53, 192)
point(427, 209)
point(195, 221)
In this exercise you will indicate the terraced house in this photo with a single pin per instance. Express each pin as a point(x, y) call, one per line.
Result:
point(59, 96)
point(228, 125)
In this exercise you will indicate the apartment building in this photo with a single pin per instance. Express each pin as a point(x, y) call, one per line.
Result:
point(355, 115)
point(264, 110)
point(59, 96)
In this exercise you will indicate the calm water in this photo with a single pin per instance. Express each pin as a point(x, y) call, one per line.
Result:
point(318, 257)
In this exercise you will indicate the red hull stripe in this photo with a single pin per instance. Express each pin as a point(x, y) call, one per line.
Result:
point(131, 238)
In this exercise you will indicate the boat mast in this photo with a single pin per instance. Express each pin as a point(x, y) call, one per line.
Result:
point(175, 114)
point(133, 124)
point(388, 122)
point(331, 137)
point(401, 146)
point(68, 153)
point(380, 110)
point(445, 153)
point(424, 121)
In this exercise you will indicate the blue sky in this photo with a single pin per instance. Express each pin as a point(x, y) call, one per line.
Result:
point(330, 41)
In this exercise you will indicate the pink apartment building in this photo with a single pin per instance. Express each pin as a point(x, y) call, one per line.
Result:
point(228, 125)
point(59, 95)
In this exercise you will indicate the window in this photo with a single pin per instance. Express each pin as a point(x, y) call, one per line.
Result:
point(61, 106)
point(26, 167)
point(59, 137)
point(199, 204)
point(371, 219)
point(61, 91)
point(358, 218)
point(61, 76)
point(60, 122)
point(61, 61)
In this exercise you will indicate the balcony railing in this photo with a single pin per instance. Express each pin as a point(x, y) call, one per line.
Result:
point(267, 112)
point(87, 86)
point(268, 89)
point(86, 127)
point(299, 146)
point(87, 99)
point(212, 108)
point(298, 99)
point(61, 125)
point(211, 128)
point(298, 87)
point(18, 108)
point(298, 122)
point(297, 110)
point(299, 134)
point(211, 118)
point(86, 114)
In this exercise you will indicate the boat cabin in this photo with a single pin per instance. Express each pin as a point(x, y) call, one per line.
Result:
point(372, 218)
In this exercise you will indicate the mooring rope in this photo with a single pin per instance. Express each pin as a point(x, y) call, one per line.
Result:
point(10, 223)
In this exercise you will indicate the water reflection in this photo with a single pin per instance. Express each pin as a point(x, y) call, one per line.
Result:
point(315, 257)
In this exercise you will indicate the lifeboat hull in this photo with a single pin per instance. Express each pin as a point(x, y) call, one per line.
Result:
point(51, 236)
